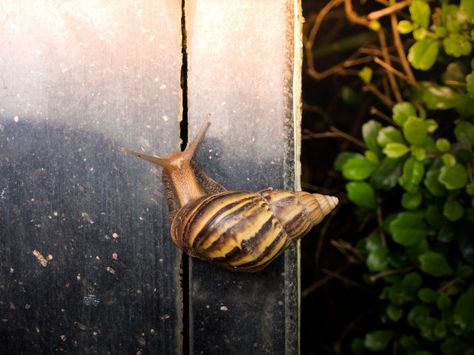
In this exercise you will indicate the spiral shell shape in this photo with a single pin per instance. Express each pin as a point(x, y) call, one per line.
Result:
point(245, 231)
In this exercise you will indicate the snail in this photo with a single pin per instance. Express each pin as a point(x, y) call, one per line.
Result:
point(238, 230)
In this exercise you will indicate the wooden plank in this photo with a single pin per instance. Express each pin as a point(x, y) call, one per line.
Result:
point(86, 262)
point(242, 65)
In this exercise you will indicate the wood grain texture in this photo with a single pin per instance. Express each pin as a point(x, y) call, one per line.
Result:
point(241, 70)
point(86, 262)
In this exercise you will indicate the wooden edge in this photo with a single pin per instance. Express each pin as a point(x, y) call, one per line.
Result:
point(293, 182)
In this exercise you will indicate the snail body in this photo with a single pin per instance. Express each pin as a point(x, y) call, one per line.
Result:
point(238, 230)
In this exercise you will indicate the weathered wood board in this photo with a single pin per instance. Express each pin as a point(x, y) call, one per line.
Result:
point(243, 70)
point(86, 262)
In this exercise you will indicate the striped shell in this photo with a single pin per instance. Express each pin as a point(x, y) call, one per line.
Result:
point(245, 231)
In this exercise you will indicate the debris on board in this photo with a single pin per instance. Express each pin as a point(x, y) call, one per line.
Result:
point(41, 259)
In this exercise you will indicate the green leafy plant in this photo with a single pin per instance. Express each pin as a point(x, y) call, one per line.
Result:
point(416, 180)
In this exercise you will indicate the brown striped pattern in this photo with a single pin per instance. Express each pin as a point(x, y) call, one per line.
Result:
point(237, 230)
point(316, 206)
point(245, 231)
point(287, 208)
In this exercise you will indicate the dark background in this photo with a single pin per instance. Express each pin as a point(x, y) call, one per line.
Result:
point(336, 305)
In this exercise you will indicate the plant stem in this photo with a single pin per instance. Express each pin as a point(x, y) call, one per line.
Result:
point(375, 277)
point(334, 132)
point(375, 15)
point(390, 69)
point(386, 57)
point(385, 100)
point(400, 50)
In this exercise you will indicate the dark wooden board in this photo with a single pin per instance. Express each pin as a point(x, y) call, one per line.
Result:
point(241, 70)
point(86, 262)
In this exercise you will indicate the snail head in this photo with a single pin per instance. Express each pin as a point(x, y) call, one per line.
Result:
point(174, 160)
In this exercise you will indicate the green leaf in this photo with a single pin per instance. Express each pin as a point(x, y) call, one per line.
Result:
point(470, 189)
point(453, 210)
point(457, 45)
point(389, 135)
point(419, 153)
point(447, 233)
point(465, 130)
point(411, 201)
point(434, 216)
point(408, 228)
point(413, 252)
point(441, 31)
point(470, 85)
point(366, 74)
point(405, 27)
point(420, 33)
point(467, 6)
point(466, 242)
point(370, 130)
point(450, 15)
point(448, 159)
point(377, 260)
point(397, 261)
point(443, 145)
point(464, 310)
point(443, 302)
point(372, 157)
point(434, 264)
point(427, 295)
point(455, 71)
point(386, 175)
point(432, 183)
point(437, 330)
point(411, 282)
point(423, 54)
point(431, 125)
point(453, 177)
point(401, 111)
point(394, 312)
point(418, 314)
point(415, 130)
point(409, 343)
point(420, 13)
point(373, 242)
point(395, 150)
point(375, 25)
point(361, 193)
point(413, 172)
point(437, 97)
point(464, 271)
point(357, 168)
point(377, 340)
point(343, 157)
point(454, 345)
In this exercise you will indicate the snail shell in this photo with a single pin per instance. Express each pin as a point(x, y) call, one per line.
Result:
point(238, 230)
point(245, 231)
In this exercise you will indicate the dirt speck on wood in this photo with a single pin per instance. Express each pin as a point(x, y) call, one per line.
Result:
point(41, 259)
